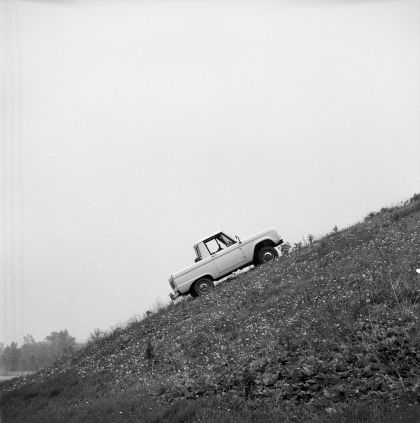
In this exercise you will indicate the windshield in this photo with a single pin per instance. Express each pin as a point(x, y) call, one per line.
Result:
point(226, 240)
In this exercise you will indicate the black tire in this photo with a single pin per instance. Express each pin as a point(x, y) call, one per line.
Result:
point(192, 292)
point(267, 254)
point(201, 287)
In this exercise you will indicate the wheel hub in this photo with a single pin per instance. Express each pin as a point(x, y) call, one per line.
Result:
point(203, 288)
point(268, 256)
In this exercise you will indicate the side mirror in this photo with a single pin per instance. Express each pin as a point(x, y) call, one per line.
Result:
point(236, 236)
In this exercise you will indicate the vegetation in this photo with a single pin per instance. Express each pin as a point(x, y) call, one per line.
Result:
point(327, 333)
point(34, 355)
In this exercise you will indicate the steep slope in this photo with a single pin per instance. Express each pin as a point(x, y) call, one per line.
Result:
point(329, 324)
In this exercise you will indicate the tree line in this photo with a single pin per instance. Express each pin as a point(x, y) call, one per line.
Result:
point(32, 355)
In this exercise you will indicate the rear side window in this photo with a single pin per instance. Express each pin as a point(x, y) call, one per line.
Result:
point(197, 253)
point(218, 242)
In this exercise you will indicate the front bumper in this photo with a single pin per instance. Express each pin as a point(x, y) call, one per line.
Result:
point(279, 243)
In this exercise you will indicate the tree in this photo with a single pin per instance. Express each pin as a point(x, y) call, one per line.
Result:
point(29, 352)
point(60, 343)
point(28, 340)
point(35, 355)
point(10, 357)
point(1, 357)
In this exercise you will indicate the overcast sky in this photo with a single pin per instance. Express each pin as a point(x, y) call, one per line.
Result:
point(142, 126)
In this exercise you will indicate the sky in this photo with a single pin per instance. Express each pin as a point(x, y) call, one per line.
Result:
point(130, 129)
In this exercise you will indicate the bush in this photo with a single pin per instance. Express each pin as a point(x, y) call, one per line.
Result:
point(285, 248)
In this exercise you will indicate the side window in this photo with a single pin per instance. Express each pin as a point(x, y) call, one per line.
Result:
point(213, 245)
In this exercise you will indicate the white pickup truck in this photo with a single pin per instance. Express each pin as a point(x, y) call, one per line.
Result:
point(218, 255)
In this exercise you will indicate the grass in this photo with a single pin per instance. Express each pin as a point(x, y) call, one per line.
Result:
point(134, 407)
point(328, 333)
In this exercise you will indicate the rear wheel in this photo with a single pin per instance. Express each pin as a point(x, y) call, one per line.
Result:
point(267, 254)
point(202, 287)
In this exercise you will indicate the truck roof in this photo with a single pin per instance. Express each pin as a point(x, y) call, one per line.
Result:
point(207, 237)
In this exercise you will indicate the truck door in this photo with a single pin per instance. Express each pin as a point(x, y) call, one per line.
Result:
point(226, 257)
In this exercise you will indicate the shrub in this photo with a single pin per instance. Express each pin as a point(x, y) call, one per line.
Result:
point(297, 246)
point(285, 248)
point(248, 381)
point(323, 249)
point(149, 353)
point(413, 207)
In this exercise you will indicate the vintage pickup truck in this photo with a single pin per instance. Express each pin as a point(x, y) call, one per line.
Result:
point(218, 255)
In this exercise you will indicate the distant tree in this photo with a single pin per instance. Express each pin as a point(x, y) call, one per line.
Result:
point(34, 355)
point(33, 363)
point(28, 354)
point(310, 239)
point(10, 357)
point(28, 340)
point(43, 355)
point(60, 343)
point(2, 366)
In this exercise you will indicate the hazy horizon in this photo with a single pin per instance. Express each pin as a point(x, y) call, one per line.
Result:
point(132, 129)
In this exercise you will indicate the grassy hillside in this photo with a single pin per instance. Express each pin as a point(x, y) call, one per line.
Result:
point(329, 332)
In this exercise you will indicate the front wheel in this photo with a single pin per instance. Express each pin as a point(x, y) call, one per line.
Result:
point(202, 287)
point(267, 254)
